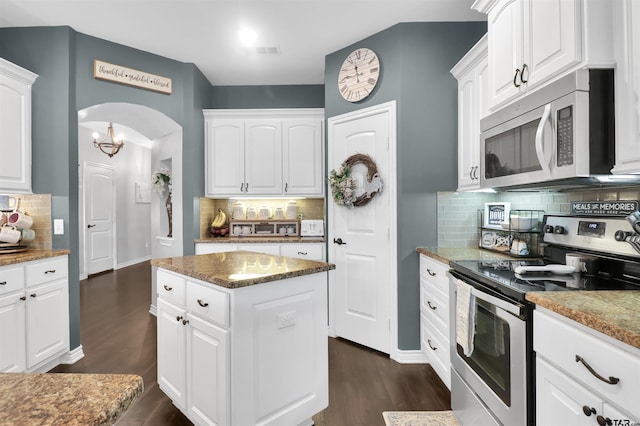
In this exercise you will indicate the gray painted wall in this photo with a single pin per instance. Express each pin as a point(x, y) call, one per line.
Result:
point(415, 60)
point(292, 96)
point(63, 59)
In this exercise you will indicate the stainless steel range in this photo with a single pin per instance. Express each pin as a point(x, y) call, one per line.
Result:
point(492, 377)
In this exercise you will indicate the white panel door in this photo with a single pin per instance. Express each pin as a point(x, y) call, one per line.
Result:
point(172, 342)
point(263, 157)
point(12, 332)
point(99, 208)
point(363, 275)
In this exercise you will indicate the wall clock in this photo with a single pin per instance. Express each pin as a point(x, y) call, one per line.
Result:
point(359, 74)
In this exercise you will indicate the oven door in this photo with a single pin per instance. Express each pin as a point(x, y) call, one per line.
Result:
point(496, 369)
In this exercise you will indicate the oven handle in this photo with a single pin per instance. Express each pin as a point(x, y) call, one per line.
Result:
point(540, 140)
point(512, 307)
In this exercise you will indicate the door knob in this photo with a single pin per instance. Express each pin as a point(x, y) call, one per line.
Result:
point(90, 226)
point(338, 241)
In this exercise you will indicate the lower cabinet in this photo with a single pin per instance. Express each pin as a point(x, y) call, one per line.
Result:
point(34, 314)
point(246, 356)
point(434, 316)
point(311, 251)
point(568, 358)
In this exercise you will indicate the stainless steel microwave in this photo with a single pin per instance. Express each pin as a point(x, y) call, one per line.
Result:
point(558, 134)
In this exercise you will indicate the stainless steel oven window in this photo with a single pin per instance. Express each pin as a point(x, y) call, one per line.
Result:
point(490, 358)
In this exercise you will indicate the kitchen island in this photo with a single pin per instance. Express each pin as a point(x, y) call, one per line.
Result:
point(242, 337)
point(66, 399)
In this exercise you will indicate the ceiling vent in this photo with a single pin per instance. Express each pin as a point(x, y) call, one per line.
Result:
point(267, 50)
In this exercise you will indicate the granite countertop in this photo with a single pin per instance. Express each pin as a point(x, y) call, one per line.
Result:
point(449, 254)
point(614, 313)
point(29, 255)
point(241, 268)
point(65, 398)
point(273, 239)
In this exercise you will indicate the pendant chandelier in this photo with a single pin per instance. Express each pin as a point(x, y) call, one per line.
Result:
point(110, 144)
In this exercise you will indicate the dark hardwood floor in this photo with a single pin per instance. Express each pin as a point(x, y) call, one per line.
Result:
point(118, 335)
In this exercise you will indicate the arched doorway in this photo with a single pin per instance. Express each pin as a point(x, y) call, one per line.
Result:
point(140, 220)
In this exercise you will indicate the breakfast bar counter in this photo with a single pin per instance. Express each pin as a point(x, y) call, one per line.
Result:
point(66, 399)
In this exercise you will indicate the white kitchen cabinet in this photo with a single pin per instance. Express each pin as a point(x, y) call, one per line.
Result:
point(264, 152)
point(303, 161)
point(34, 314)
point(627, 85)
point(311, 251)
point(434, 316)
point(472, 75)
point(535, 41)
point(567, 392)
point(15, 122)
point(224, 354)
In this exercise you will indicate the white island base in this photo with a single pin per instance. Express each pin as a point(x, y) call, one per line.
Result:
point(254, 355)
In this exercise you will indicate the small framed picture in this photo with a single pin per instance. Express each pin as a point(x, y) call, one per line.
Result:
point(496, 214)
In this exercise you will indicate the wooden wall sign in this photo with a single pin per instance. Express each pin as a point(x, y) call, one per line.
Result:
point(123, 75)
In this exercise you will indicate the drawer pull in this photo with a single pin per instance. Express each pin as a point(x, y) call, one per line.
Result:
point(604, 421)
point(303, 253)
point(433, 274)
point(166, 287)
point(203, 304)
point(185, 321)
point(178, 318)
point(50, 271)
point(431, 306)
point(611, 380)
point(430, 345)
point(33, 295)
point(588, 410)
point(3, 283)
point(23, 298)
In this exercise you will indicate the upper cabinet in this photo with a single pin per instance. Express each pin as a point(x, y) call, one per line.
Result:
point(472, 75)
point(264, 152)
point(15, 122)
point(627, 86)
point(534, 41)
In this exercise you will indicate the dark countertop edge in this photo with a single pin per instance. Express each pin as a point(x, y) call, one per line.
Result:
point(594, 322)
point(260, 240)
point(29, 255)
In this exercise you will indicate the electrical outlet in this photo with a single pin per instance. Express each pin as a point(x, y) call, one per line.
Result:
point(287, 319)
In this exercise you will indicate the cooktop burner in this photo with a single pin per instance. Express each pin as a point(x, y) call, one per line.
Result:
point(500, 275)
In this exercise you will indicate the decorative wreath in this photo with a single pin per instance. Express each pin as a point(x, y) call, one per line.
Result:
point(344, 187)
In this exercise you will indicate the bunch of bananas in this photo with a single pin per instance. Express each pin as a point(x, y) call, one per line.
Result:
point(219, 226)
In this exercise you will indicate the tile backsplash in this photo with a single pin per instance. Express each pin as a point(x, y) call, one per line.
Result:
point(458, 211)
point(308, 208)
point(38, 206)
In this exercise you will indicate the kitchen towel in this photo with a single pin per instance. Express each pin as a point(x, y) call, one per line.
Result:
point(465, 317)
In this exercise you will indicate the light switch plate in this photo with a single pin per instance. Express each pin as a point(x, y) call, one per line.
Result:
point(58, 226)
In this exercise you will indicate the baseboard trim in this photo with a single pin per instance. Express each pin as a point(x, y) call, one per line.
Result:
point(153, 310)
point(410, 357)
point(72, 356)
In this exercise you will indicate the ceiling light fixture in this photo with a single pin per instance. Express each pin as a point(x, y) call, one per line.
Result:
point(110, 144)
point(248, 36)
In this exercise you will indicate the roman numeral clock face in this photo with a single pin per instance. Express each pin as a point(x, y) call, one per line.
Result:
point(358, 75)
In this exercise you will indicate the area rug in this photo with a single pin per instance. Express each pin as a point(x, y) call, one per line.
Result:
point(420, 418)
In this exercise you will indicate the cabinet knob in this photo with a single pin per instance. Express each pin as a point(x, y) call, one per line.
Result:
point(23, 298)
point(588, 410)
point(3, 283)
point(203, 304)
point(604, 421)
point(166, 287)
point(33, 295)
point(178, 318)
point(185, 322)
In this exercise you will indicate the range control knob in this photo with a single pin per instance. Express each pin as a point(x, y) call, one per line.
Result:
point(558, 229)
point(548, 229)
point(621, 235)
